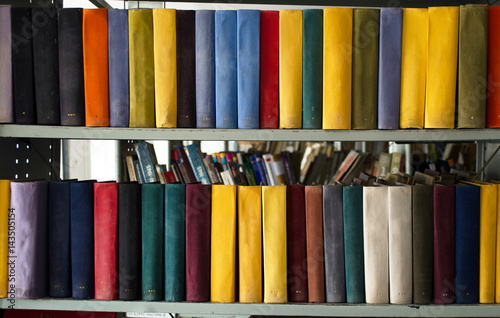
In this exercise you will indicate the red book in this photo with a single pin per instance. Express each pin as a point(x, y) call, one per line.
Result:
point(198, 208)
point(296, 237)
point(493, 99)
point(314, 239)
point(105, 240)
point(95, 67)
point(170, 176)
point(21, 313)
point(269, 69)
point(444, 244)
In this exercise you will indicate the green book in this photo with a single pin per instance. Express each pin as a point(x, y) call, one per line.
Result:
point(152, 241)
point(472, 66)
point(312, 68)
point(365, 43)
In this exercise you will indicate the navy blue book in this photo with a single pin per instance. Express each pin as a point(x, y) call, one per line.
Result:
point(353, 243)
point(118, 68)
point(186, 84)
point(205, 68)
point(226, 90)
point(82, 239)
point(389, 75)
point(46, 66)
point(248, 39)
point(467, 210)
point(23, 85)
point(129, 238)
point(72, 98)
point(175, 242)
point(59, 228)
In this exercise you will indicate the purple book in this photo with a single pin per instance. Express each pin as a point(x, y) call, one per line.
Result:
point(6, 110)
point(28, 204)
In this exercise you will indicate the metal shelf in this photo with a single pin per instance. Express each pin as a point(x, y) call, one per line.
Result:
point(260, 309)
point(113, 133)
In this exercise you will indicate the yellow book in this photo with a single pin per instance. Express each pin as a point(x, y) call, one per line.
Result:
point(290, 68)
point(250, 243)
point(497, 249)
point(441, 67)
point(337, 68)
point(4, 248)
point(223, 244)
point(165, 51)
point(141, 68)
point(413, 68)
point(274, 234)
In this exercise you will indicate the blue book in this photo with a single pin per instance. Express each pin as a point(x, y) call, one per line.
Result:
point(197, 165)
point(82, 239)
point(226, 90)
point(118, 68)
point(59, 239)
point(175, 250)
point(256, 171)
point(352, 198)
point(467, 210)
point(248, 39)
point(389, 76)
point(262, 169)
point(205, 68)
point(147, 169)
point(312, 68)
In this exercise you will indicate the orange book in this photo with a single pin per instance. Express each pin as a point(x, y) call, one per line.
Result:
point(95, 67)
point(493, 99)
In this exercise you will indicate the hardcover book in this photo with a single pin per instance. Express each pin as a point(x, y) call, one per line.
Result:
point(6, 108)
point(269, 69)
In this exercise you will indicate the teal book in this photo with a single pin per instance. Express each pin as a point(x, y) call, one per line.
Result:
point(312, 68)
point(175, 242)
point(152, 241)
point(353, 244)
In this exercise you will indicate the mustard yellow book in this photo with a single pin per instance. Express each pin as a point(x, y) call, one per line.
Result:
point(165, 51)
point(413, 67)
point(441, 67)
point(290, 69)
point(337, 68)
point(497, 256)
point(141, 68)
point(274, 235)
point(4, 248)
point(250, 243)
point(223, 244)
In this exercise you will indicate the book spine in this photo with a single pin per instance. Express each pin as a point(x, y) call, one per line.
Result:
point(146, 165)
point(141, 68)
point(95, 67)
point(269, 69)
point(205, 68)
point(186, 80)
point(46, 67)
point(296, 242)
point(198, 204)
point(119, 98)
point(175, 242)
point(270, 173)
point(152, 197)
point(365, 50)
point(197, 164)
point(5, 215)
point(105, 240)
point(389, 76)
point(186, 163)
point(255, 169)
point(333, 229)
point(129, 238)
point(262, 170)
point(290, 69)
point(226, 89)
point(72, 96)
point(312, 68)
point(493, 75)
point(337, 68)
point(165, 66)
point(6, 106)
point(288, 168)
point(488, 233)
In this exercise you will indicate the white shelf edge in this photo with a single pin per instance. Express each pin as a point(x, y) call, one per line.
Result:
point(113, 133)
point(289, 309)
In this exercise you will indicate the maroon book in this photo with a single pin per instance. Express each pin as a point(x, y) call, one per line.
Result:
point(444, 244)
point(296, 236)
point(198, 209)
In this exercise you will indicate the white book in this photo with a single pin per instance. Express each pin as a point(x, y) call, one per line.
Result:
point(376, 244)
point(271, 174)
point(400, 244)
point(227, 178)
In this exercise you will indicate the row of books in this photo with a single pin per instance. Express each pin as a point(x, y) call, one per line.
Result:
point(332, 68)
point(275, 244)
